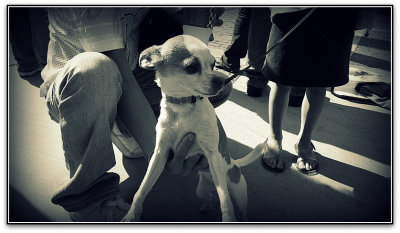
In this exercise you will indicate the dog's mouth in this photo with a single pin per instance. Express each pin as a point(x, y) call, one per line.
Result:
point(209, 94)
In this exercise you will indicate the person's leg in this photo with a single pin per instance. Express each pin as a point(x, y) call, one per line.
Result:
point(278, 104)
point(83, 99)
point(230, 60)
point(21, 41)
point(260, 26)
point(310, 112)
point(40, 33)
point(238, 47)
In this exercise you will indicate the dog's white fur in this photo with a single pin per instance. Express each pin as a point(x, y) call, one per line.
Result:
point(184, 67)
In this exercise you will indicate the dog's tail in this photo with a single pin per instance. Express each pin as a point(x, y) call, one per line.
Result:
point(250, 157)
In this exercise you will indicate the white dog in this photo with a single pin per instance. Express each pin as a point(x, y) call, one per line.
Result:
point(184, 72)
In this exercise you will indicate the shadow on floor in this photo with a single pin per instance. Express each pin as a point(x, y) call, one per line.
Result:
point(345, 127)
point(284, 197)
point(21, 210)
point(35, 80)
point(172, 199)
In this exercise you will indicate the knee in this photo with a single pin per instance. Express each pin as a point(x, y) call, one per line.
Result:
point(280, 87)
point(92, 64)
point(92, 74)
point(92, 69)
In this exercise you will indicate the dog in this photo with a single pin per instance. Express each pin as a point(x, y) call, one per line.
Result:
point(185, 73)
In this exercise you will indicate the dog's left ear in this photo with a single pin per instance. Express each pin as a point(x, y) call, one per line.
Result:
point(150, 57)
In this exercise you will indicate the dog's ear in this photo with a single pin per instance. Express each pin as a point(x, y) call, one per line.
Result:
point(150, 57)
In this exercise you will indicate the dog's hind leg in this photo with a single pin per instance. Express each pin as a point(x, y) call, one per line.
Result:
point(238, 190)
point(204, 189)
point(154, 170)
point(218, 168)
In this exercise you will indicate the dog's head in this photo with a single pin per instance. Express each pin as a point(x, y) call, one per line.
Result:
point(184, 66)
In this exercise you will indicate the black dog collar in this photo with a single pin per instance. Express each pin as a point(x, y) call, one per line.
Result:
point(183, 100)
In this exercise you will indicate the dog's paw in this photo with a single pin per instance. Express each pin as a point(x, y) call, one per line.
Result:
point(228, 218)
point(131, 217)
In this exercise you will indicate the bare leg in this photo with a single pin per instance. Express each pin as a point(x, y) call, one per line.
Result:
point(238, 193)
point(310, 112)
point(218, 173)
point(278, 104)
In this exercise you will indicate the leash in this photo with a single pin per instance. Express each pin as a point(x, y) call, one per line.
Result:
point(274, 46)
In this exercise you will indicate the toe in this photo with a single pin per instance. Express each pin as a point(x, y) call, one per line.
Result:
point(280, 164)
point(300, 164)
point(271, 163)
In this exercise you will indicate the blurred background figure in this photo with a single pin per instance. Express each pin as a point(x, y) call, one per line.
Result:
point(29, 39)
point(250, 36)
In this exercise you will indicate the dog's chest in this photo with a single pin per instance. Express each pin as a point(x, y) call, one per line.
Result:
point(199, 119)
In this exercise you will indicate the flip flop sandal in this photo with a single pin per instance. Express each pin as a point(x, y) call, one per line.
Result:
point(310, 156)
point(263, 162)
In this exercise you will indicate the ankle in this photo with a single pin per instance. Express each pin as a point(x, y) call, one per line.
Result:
point(274, 143)
point(304, 146)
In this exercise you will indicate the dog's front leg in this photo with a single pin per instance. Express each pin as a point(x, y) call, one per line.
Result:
point(154, 170)
point(218, 170)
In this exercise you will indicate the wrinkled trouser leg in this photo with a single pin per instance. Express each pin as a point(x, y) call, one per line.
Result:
point(260, 26)
point(238, 47)
point(40, 33)
point(21, 38)
point(83, 99)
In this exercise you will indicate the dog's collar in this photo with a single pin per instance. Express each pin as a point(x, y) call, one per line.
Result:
point(183, 100)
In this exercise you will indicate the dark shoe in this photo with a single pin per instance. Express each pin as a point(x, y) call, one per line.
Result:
point(251, 71)
point(254, 91)
point(107, 211)
point(230, 65)
point(218, 22)
point(306, 157)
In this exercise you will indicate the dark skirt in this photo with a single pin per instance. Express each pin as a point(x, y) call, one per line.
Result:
point(317, 53)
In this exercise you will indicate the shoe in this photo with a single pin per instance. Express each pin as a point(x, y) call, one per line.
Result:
point(251, 71)
point(226, 64)
point(305, 157)
point(265, 162)
point(124, 141)
point(253, 74)
point(254, 91)
point(112, 210)
point(218, 22)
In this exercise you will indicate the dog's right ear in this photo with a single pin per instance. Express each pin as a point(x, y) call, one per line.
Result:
point(150, 57)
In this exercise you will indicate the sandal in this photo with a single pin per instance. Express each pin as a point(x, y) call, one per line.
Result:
point(267, 150)
point(304, 157)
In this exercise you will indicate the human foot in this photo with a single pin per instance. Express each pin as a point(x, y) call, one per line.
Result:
point(272, 158)
point(307, 163)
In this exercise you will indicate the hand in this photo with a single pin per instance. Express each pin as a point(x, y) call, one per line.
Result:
point(181, 166)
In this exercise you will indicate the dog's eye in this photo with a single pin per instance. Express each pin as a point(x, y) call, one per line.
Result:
point(192, 68)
